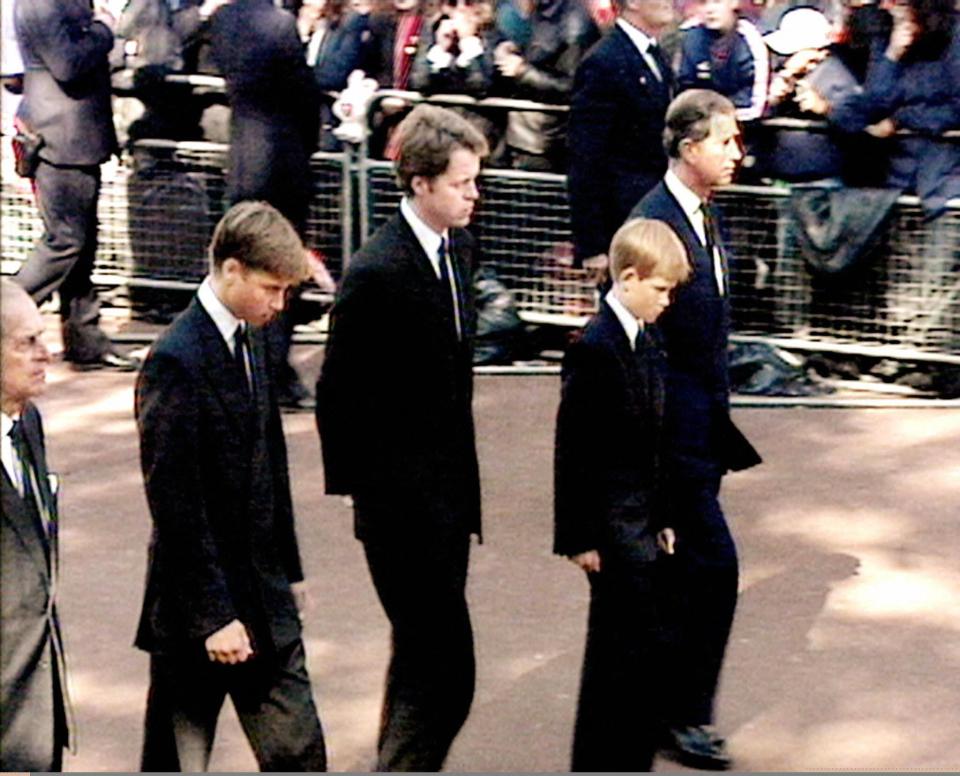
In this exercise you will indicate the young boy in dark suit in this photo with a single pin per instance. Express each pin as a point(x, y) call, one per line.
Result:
point(609, 511)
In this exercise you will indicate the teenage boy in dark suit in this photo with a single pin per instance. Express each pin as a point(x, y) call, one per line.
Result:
point(225, 590)
point(609, 496)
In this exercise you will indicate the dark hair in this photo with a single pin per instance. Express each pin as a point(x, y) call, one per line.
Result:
point(690, 117)
point(258, 236)
point(428, 137)
point(936, 20)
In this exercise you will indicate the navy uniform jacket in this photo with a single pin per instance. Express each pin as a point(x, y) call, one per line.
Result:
point(66, 87)
point(34, 708)
point(702, 441)
point(214, 465)
point(608, 442)
point(394, 412)
point(615, 139)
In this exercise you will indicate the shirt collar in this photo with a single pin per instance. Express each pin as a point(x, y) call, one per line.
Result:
point(6, 423)
point(630, 324)
point(226, 322)
point(688, 199)
point(640, 39)
point(428, 239)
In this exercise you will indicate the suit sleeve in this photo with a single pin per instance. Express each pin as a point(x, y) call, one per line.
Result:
point(359, 327)
point(592, 112)
point(578, 494)
point(168, 422)
point(69, 48)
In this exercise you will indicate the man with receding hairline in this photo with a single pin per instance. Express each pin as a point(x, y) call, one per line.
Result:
point(702, 141)
point(396, 425)
point(34, 707)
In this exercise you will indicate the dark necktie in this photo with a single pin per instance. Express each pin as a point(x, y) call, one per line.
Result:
point(663, 66)
point(449, 285)
point(27, 474)
point(714, 246)
point(240, 348)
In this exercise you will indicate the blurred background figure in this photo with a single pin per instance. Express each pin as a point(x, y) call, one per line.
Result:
point(274, 103)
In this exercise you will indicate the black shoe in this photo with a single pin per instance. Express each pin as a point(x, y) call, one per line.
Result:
point(116, 362)
point(697, 746)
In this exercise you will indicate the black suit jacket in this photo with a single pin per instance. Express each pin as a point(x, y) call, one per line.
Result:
point(274, 101)
point(395, 392)
point(66, 86)
point(702, 439)
point(607, 487)
point(33, 707)
point(615, 138)
point(215, 470)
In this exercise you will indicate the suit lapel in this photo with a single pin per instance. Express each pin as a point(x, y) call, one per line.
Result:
point(21, 520)
point(425, 277)
point(219, 367)
point(635, 62)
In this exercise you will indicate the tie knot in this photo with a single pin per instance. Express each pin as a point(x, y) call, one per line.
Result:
point(442, 250)
point(240, 335)
point(639, 339)
point(16, 432)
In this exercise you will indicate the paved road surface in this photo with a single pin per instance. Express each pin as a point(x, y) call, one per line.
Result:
point(845, 654)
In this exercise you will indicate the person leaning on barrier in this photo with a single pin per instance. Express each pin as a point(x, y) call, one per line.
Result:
point(702, 141)
point(225, 593)
point(66, 102)
point(620, 95)
point(34, 706)
point(397, 434)
point(609, 504)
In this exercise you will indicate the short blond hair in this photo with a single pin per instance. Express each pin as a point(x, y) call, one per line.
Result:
point(651, 248)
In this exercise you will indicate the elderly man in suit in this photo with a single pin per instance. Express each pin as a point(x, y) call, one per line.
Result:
point(224, 591)
point(620, 96)
point(702, 141)
point(396, 427)
point(66, 100)
point(33, 704)
point(274, 125)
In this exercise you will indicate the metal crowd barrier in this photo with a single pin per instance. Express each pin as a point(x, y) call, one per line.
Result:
point(160, 202)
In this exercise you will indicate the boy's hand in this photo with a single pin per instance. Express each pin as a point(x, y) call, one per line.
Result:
point(667, 539)
point(588, 561)
point(230, 644)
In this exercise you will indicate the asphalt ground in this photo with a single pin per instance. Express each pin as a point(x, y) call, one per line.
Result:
point(845, 652)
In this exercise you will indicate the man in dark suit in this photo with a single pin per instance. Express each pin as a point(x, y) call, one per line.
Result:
point(609, 500)
point(396, 427)
point(620, 95)
point(34, 708)
point(274, 125)
point(702, 141)
point(66, 100)
point(224, 590)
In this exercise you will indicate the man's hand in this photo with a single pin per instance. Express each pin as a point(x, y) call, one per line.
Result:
point(667, 539)
point(882, 129)
point(598, 268)
point(301, 597)
point(507, 58)
point(903, 35)
point(809, 99)
point(230, 644)
point(588, 561)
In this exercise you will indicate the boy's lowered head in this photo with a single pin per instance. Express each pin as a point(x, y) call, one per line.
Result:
point(647, 261)
point(256, 257)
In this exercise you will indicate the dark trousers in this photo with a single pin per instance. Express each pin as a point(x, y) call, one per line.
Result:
point(701, 600)
point(619, 709)
point(271, 695)
point(430, 679)
point(64, 257)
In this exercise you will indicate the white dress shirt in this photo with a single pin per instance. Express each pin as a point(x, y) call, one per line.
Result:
point(630, 324)
point(11, 461)
point(643, 42)
point(225, 321)
point(430, 242)
point(691, 204)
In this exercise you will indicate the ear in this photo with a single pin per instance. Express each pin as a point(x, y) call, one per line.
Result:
point(420, 185)
point(687, 149)
point(231, 270)
point(627, 275)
